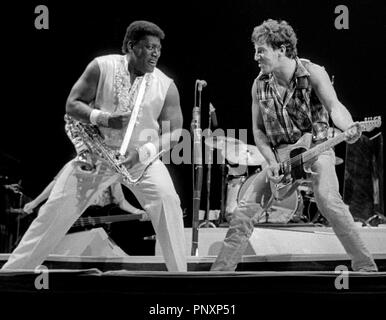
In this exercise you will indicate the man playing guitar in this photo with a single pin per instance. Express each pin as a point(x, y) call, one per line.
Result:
point(292, 97)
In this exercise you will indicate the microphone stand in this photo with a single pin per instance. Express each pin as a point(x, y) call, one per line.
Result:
point(197, 166)
point(224, 181)
point(207, 222)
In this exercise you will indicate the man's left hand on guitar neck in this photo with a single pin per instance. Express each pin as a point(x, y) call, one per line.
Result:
point(353, 133)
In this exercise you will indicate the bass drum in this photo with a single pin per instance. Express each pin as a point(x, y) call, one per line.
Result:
point(280, 211)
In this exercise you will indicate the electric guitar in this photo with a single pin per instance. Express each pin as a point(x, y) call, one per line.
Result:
point(295, 159)
point(98, 220)
point(93, 221)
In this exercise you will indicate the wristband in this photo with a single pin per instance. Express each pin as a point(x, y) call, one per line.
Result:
point(99, 118)
point(146, 152)
point(94, 115)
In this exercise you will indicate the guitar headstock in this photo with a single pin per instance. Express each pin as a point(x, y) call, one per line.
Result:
point(370, 123)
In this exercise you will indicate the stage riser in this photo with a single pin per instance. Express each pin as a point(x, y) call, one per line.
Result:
point(273, 242)
point(265, 244)
point(93, 242)
point(303, 249)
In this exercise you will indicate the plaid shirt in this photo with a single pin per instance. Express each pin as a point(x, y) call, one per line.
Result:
point(301, 111)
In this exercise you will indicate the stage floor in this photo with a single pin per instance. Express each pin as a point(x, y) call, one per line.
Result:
point(197, 295)
point(306, 267)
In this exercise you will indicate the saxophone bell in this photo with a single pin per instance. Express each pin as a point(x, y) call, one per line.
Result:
point(84, 161)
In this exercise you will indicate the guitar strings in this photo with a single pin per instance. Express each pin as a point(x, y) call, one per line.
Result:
point(366, 126)
point(295, 161)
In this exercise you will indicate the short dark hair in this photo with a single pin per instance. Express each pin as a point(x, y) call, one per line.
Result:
point(138, 29)
point(277, 33)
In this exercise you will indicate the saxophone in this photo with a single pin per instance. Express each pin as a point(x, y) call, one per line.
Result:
point(92, 138)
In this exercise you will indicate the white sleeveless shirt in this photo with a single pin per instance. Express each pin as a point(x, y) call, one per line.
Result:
point(115, 94)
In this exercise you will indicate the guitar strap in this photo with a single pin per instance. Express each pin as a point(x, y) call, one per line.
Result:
point(133, 118)
point(305, 85)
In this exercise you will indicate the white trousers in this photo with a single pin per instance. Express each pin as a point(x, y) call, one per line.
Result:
point(75, 190)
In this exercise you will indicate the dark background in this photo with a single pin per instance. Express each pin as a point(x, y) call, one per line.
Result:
point(204, 40)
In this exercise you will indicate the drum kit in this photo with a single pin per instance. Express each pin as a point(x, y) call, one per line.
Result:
point(12, 199)
point(295, 208)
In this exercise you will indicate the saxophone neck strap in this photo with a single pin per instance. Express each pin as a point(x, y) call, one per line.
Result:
point(133, 118)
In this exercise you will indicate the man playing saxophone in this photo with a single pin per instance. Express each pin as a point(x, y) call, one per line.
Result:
point(115, 93)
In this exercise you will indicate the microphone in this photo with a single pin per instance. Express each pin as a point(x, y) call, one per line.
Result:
point(213, 116)
point(201, 84)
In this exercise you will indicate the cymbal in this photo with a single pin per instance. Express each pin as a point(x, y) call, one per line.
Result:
point(8, 160)
point(338, 161)
point(219, 142)
point(244, 154)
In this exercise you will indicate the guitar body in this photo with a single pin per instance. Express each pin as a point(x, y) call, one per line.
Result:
point(295, 173)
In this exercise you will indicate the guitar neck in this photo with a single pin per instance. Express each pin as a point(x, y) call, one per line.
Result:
point(366, 125)
point(91, 221)
point(320, 148)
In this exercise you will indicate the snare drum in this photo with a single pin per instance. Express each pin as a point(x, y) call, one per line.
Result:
point(280, 211)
